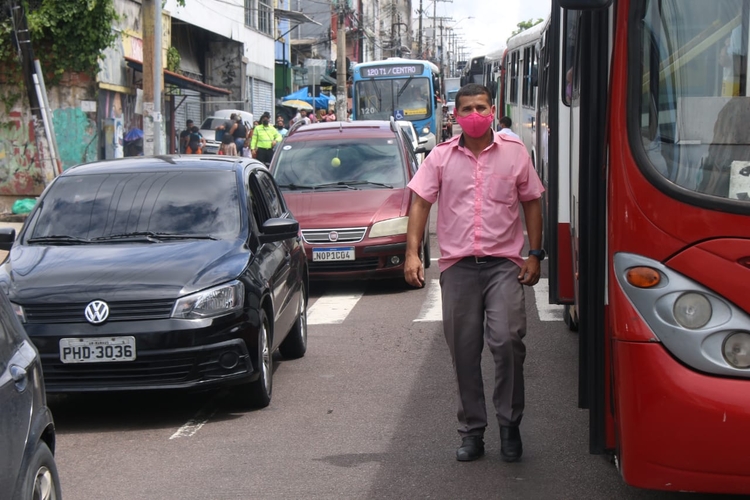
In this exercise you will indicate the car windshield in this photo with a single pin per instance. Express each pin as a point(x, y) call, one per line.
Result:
point(312, 163)
point(171, 203)
point(403, 98)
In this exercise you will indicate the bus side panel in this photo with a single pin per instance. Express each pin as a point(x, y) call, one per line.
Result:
point(678, 429)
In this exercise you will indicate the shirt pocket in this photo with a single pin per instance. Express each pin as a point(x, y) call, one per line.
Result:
point(502, 189)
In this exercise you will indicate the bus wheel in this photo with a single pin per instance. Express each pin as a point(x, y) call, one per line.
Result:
point(570, 318)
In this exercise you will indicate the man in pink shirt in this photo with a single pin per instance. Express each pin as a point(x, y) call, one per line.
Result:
point(481, 178)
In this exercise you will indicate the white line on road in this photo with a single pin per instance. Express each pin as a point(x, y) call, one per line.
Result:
point(547, 311)
point(333, 309)
point(199, 420)
point(432, 308)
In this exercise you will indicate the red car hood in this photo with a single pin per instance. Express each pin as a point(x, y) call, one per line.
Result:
point(338, 209)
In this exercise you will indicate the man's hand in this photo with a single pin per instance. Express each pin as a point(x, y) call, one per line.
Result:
point(530, 271)
point(414, 271)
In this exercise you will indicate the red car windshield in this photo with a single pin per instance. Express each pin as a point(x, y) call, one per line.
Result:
point(359, 161)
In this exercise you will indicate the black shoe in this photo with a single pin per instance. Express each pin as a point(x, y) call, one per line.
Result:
point(472, 447)
point(511, 447)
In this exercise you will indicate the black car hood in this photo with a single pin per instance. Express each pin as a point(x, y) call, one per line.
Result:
point(120, 272)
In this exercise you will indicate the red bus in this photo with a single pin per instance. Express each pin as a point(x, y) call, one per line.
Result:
point(644, 146)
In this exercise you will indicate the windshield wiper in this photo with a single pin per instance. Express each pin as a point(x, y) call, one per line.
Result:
point(296, 186)
point(351, 184)
point(151, 236)
point(57, 238)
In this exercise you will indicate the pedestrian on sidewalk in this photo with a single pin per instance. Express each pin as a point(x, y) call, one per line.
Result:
point(481, 178)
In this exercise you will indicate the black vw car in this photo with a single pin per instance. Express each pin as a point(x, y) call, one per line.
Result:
point(160, 273)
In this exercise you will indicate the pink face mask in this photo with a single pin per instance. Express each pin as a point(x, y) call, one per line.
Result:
point(475, 125)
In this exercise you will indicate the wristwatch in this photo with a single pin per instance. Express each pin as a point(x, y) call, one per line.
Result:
point(539, 254)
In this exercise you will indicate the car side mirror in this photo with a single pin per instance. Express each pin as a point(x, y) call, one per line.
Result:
point(7, 237)
point(279, 229)
point(420, 149)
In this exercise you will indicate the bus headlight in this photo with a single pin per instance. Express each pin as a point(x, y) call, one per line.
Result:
point(390, 227)
point(692, 310)
point(737, 350)
point(425, 130)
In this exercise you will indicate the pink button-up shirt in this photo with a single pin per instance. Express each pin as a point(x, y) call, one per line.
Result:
point(478, 212)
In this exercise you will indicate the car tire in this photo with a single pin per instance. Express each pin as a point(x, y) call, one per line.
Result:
point(257, 394)
point(42, 480)
point(295, 343)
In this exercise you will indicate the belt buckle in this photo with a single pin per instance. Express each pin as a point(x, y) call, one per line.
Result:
point(478, 261)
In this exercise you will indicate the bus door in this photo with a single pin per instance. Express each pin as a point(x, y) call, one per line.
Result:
point(588, 120)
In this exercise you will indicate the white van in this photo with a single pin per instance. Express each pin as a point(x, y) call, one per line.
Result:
point(217, 118)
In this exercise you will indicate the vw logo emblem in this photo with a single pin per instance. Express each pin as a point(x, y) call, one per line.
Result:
point(97, 312)
point(333, 236)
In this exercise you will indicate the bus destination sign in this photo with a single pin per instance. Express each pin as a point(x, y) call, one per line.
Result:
point(392, 70)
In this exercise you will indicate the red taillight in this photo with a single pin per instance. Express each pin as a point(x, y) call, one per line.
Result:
point(745, 261)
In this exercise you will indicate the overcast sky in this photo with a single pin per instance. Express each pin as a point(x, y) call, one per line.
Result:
point(493, 20)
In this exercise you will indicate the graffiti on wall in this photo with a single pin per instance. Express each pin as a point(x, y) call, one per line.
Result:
point(21, 171)
point(77, 136)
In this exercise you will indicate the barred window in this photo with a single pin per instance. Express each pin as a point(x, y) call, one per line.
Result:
point(265, 16)
point(250, 13)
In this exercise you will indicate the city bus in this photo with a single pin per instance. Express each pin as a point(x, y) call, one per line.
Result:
point(405, 89)
point(643, 137)
point(520, 103)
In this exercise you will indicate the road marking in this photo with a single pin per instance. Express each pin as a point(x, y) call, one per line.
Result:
point(432, 307)
point(332, 310)
point(199, 420)
point(547, 311)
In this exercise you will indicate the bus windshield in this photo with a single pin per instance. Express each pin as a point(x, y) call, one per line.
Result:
point(695, 99)
point(403, 98)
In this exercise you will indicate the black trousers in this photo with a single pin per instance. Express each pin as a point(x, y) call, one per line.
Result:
point(264, 155)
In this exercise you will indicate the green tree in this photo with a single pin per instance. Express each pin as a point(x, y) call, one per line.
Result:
point(524, 25)
point(66, 35)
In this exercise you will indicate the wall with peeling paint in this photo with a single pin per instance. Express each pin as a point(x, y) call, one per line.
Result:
point(77, 136)
point(21, 170)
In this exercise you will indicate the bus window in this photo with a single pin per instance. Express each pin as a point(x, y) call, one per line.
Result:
point(694, 105)
point(403, 98)
point(570, 34)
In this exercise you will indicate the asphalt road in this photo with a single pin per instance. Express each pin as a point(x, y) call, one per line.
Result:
point(368, 413)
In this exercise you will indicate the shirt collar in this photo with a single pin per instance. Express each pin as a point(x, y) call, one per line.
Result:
point(495, 139)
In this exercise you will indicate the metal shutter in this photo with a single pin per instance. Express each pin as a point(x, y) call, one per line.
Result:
point(262, 99)
point(190, 108)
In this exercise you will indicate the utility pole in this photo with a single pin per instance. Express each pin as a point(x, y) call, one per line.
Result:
point(419, 46)
point(152, 78)
point(341, 104)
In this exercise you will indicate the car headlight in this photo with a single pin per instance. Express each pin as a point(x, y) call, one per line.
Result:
point(692, 310)
point(425, 130)
point(737, 350)
point(212, 302)
point(19, 312)
point(390, 227)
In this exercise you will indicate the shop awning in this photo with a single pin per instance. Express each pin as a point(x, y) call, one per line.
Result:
point(183, 82)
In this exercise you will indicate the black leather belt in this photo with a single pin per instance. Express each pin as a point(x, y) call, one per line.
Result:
point(482, 260)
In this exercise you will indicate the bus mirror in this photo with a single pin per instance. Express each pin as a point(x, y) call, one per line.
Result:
point(584, 4)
